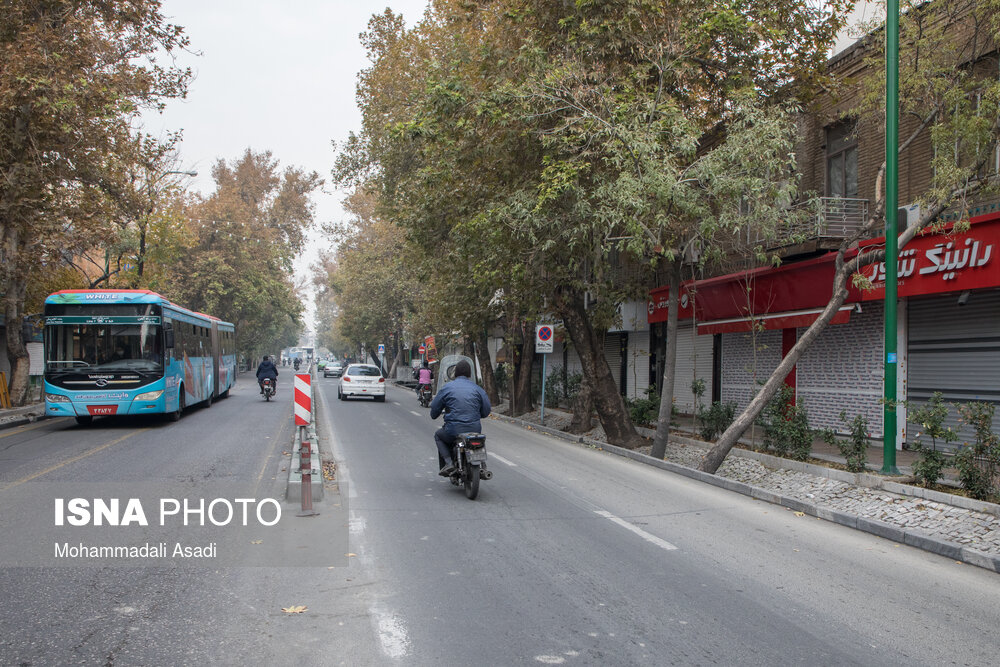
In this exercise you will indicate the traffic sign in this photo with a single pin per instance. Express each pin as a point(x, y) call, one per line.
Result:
point(421, 349)
point(303, 399)
point(381, 349)
point(543, 338)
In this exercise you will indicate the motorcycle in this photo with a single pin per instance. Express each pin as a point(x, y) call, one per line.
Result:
point(470, 463)
point(268, 388)
point(297, 364)
point(424, 396)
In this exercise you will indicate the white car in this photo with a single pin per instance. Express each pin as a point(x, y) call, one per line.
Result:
point(362, 380)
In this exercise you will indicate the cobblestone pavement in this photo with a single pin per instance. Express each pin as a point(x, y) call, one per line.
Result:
point(975, 530)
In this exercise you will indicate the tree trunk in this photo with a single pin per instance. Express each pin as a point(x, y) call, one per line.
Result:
point(715, 456)
point(607, 400)
point(521, 399)
point(662, 437)
point(17, 353)
point(583, 409)
point(486, 366)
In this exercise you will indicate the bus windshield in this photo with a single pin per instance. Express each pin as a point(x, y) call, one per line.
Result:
point(117, 344)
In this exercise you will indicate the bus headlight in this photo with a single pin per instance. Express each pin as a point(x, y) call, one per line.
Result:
point(56, 398)
point(149, 395)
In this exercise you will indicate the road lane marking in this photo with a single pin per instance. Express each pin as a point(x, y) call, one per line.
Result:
point(653, 539)
point(503, 460)
point(73, 460)
point(414, 413)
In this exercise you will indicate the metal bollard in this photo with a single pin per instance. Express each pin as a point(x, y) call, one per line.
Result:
point(305, 456)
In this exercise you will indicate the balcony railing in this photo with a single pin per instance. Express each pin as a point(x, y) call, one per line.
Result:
point(837, 218)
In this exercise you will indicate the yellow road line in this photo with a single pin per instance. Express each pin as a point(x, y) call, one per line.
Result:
point(72, 460)
point(22, 429)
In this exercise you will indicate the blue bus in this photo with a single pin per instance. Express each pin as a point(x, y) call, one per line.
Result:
point(132, 352)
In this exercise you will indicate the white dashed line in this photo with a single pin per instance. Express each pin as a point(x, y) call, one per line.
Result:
point(502, 460)
point(414, 413)
point(653, 539)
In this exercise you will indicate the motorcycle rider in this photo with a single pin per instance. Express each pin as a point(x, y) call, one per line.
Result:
point(267, 369)
point(298, 362)
point(424, 377)
point(464, 403)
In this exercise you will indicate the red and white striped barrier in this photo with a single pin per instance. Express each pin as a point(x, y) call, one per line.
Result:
point(303, 399)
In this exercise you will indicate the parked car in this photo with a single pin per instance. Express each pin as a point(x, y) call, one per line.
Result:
point(333, 369)
point(362, 380)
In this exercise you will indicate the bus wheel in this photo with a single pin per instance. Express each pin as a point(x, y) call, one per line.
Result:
point(224, 394)
point(83, 421)
point(176, 414)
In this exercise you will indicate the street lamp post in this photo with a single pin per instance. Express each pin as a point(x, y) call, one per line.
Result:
point(891, 247)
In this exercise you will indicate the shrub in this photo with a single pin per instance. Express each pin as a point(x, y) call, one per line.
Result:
point(786, 427)
point(716, 419)
point(930, 417)
point(644, 410)
point(855, 447)
point(979, 463)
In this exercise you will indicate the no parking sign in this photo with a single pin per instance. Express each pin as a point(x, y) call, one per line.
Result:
point(544, 338)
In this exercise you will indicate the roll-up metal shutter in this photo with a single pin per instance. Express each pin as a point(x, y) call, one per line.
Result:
point(954, 349)
point(638, 364)
point(613, 353)
point(694, 360)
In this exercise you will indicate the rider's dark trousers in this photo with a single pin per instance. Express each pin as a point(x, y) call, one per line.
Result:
point(444, 438)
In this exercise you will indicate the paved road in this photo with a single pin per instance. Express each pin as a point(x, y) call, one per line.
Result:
point(575, 556)
point(569, 556)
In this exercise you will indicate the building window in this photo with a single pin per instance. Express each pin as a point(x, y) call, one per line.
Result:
point(841, 161)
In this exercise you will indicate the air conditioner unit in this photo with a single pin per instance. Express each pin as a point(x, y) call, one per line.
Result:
point(692, 251)
point(908, 214)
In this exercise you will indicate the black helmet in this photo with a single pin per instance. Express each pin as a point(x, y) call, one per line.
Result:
point(463, 368)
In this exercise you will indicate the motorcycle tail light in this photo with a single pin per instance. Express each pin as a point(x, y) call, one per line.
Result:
point(476, 443)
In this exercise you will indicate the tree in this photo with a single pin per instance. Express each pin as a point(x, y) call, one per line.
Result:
point(948, 62)
point(243, 237)
point(73, 76)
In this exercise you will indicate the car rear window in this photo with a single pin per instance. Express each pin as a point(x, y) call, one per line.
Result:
point(368, 371)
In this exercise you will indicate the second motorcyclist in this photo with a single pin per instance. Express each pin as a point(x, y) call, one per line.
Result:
point(267, 369)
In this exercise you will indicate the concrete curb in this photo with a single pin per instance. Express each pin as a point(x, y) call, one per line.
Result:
point(885, 530)
point(28, 414)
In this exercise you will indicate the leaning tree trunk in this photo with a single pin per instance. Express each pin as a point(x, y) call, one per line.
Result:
point(486, 366)
point(662, 437)
point(17, 353)
point(583, 409)
point(607, 400)
point(521, 399)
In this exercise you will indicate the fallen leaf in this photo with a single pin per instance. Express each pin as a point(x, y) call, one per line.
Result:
point(800, 514)
point(796, 550)
point(256, 541)
point(351, 555)
point(295, 609)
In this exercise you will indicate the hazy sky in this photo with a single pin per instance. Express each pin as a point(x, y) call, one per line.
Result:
point(271, 75)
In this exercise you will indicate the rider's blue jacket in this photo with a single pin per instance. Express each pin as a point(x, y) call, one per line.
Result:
point(466, 403)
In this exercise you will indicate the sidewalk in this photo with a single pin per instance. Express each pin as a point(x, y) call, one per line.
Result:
point(10, 417)
point(953, 526)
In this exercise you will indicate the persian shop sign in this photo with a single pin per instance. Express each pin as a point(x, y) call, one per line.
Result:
point(938, 263)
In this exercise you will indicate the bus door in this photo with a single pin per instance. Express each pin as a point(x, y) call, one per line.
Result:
point(216, 359)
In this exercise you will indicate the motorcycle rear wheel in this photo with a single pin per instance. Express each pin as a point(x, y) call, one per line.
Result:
point(471, 481)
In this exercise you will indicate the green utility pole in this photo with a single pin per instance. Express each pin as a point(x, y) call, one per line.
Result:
point(891, 248)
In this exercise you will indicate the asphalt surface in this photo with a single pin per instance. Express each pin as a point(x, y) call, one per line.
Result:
point(569, 556)
point(575, 556)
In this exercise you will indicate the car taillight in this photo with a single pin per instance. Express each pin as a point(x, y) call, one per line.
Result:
point(347, 379)
point(381, 379)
